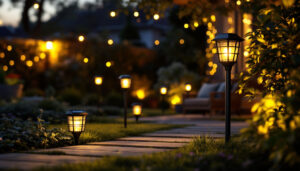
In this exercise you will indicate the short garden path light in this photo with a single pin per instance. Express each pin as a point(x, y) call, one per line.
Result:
point(98, 80)
point(125, 81)
point(187, 88)
point(163, 91)
point(137, 110)
point(76, 123)
point(228, 46)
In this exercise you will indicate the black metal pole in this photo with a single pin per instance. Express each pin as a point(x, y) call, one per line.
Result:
point(163, 104)
point(136, 118)
point(227, 103)
point(76, 136)
point(125, 109)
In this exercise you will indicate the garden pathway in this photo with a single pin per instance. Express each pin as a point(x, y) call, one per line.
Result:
point(129, 146)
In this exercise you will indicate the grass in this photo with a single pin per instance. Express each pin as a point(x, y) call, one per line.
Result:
point(201, 154)
point(110, 131)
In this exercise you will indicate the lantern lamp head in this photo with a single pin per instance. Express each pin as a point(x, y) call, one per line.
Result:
point(228, 45)
point(98, 79)
point(137, 109)
point(76, 121)
point(188, 87)
point(125, 81)
point(163, 90)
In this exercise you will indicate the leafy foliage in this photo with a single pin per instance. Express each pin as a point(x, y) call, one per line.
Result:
point(274, 62)
point(17, 135)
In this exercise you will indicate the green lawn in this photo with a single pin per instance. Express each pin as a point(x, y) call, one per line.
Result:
point(201, 154)
point(109, 131)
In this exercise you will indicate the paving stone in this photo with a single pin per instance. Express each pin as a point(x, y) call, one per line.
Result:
point(29, 161)
point(158, 134)
point(140, 144)
point(98, 150)
point(156, 139)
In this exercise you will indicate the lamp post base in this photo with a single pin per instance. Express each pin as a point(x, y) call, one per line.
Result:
point(137, 119)
point(76, 136)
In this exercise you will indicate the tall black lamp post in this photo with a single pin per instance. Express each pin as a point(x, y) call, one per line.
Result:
point(125, 81)
point(228, 46)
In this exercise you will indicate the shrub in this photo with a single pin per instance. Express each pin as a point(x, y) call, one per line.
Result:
point(72, 96)
point(111, 110)
point(114, 99)
point(92, 100)
point(17, 135)
point(52, 105)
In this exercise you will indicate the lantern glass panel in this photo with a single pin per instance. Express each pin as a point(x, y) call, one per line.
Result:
point(228, 50)
point(125, 83)
point(137, 109)
point(188, 87)
point(98, 80)
point(76, 123)
point(163, 90)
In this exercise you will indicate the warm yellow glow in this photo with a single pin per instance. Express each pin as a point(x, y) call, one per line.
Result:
point(49, 45)
point(2, 55)
point(188, 87)
point(246, 53)
point(36, 59)
point(210, 63)
point(214, 50)
point(81, 38)
point(230, 20)
point(43, 55)
point(76, 123)
point(209, 25)
point(85, 60)
point(29, 63)
point(22, 57)
point(113, 14)
point(186, 25)
point(156, 16)
point(108, 64)
point(11, 62)
point(1, 22)
point(196, 24)
point(213, 18)
point(140, 94)
point(204, 19)
point(238, 2)
point(125, 83)
point(156, 42)
point(5, 68)
point(9, 48)
point(98, 80)
point(175, 100)
point(163, 90)
point(110, 42)
point(36, 5)
point(137, 109)
point(181, 41)
point(136, 14)
point(227, 54)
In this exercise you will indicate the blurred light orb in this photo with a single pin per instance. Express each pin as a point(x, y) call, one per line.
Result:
point(98, 80)
point(29, 63)
point(156, 16)
point(213, 18)
point(238, 2)
point(113, 14)
point(36, 5)
point(2, 55)
point(9, 48)
point(86, 60)
point(136, 14)
point(108, 64)
point(156, 42)
point(110, 42)
point(23, 58)
point(43, 55)
point(186, 26)
point(49, 45)
point(196, 24)
point(36, 59)
point(5, 68)
point(11, 62)
point(181, 41)
point(140, 94)
point(81, 38)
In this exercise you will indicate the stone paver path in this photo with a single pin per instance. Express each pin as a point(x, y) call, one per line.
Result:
point(129, 146)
